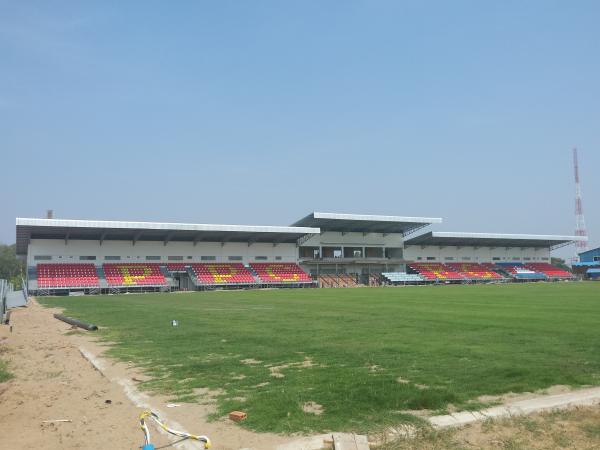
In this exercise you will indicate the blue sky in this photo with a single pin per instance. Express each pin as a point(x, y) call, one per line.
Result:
point(260, 112)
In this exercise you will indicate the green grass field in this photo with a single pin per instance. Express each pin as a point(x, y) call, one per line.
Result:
point(366, 355)
point(5, 375)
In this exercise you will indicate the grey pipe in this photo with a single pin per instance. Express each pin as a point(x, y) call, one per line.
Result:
point(77, 323)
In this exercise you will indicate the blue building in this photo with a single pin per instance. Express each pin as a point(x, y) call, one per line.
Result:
point(590, 260)
point(590, 256)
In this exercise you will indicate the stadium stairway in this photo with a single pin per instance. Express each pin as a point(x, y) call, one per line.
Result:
point(101, 278)
point(253, 272)
point(192, 276)
point(499, 270)
point(168, 276)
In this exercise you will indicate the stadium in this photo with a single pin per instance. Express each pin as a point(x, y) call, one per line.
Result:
point(424, 326)
point(319, 250)
point(299, 225)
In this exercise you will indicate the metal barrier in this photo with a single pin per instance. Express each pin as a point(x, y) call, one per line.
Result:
point(5, 289)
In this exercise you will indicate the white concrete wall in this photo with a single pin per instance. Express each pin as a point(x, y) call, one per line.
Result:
point(288, 252)
point(71, 252)
point(476, 254)
point(331, 239)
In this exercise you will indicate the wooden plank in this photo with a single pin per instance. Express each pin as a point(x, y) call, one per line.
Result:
point(344, 441)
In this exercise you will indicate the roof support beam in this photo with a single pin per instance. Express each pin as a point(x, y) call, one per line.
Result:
point(67, 236)
point(136, 237)
point(168, 237)
point(103, 236)
point(197, 238)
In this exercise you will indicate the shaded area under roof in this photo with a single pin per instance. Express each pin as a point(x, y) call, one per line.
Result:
point(364, 223)
point(101, 230)
point(448, 239)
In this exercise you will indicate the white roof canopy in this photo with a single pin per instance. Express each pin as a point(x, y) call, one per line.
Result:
point(152, 231)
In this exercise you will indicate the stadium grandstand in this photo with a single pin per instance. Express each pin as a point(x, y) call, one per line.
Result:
point(319, 250)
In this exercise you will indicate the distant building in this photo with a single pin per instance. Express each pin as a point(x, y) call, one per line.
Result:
point(589, 264)
point(590, 256)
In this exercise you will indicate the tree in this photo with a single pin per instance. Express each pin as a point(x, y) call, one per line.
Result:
point(559, 262)
point(11, 268)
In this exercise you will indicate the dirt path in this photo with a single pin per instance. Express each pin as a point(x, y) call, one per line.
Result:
point(53, 380)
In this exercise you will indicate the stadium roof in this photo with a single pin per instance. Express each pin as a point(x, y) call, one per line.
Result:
point(102, 230)
point(444, 238)
point(364, 223)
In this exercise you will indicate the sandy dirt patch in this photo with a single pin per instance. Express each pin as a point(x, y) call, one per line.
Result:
point(312, 408)
point(250, 361)
point(54, 381)
point(276, 370)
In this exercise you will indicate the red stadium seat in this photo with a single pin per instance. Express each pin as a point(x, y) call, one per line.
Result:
point(549, 270)
point(280, 273)
point(222, 273)
point(475, 271)
point(436, 272)
point(176, 267)
point(134, 274)
point(61, 275)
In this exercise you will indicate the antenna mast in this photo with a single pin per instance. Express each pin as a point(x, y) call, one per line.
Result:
point(580, 246)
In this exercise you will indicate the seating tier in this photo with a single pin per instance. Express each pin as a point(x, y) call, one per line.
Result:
point(436, 271)
point(222, 273)
point(67, 275)
point(280, 273)
point(402, 277)
point(520, 272)
point(549, 270)
point(134, 274)
point(176, 267)
point(474, 271)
